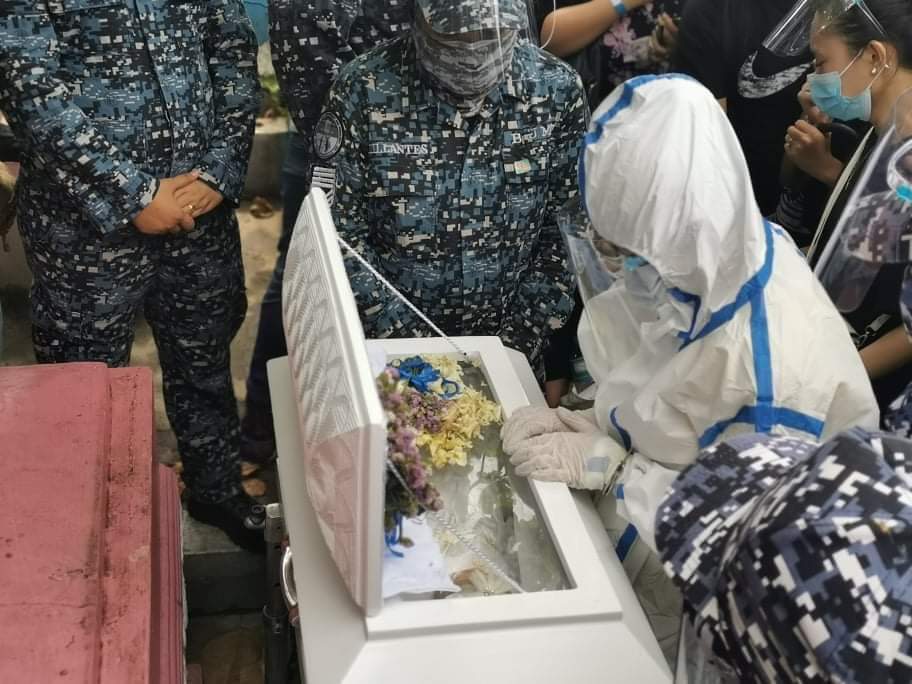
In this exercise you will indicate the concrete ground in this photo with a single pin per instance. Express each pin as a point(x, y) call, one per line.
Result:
point(227, 647)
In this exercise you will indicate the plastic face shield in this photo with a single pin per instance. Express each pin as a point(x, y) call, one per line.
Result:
point(596, 263)
point(792, 36)
point(876, 226)
point(472, 20)
point(467, 45)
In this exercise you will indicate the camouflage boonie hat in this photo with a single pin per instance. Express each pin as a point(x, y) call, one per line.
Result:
point(462, 16)
point(795, 560)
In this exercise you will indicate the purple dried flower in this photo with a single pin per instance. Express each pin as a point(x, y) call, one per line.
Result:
point(417, 476)
point(408, 412)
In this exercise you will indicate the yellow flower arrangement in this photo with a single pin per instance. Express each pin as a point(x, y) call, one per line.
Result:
point(461, 424)
point(459, 414)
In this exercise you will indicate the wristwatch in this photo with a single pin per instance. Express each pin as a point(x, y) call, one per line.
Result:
point(620, 8)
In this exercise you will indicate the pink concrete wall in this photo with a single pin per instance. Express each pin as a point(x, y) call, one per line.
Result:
point(90, 559)
point(168, 601)
point(54, 437)
point(125, 632)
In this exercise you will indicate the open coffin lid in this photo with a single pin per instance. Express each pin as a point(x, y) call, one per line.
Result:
point(343, 447)
point(342, 425)
point(343, 430)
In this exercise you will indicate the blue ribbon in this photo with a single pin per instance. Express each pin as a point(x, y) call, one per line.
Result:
point(394, 536)
point(420, 374)
point(450, 388)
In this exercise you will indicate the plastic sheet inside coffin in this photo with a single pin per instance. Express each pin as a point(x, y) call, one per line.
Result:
point(491, 532)
point(530, 531)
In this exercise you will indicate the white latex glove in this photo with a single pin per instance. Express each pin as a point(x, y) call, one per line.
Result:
point(529, 421)
point(577, 453)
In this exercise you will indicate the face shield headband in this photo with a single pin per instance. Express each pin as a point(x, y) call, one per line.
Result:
point(792, 37)
point(596, 263)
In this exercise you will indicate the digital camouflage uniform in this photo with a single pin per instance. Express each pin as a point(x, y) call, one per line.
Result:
point(879, 231)
point(899, 418)
point(110, 96)
point(459, 214)
point(310, 41)
point(793, 559)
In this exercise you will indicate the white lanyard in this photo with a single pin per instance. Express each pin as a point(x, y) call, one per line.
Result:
point(847, 173)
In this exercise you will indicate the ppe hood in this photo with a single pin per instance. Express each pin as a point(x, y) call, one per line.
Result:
point(663, 176)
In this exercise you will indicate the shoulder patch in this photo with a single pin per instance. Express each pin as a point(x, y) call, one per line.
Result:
point(327, 139)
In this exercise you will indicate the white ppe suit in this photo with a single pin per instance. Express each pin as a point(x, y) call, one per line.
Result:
point(733, 335)
point(741, 337)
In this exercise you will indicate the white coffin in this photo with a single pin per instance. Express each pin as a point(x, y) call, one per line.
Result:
point(326, 409)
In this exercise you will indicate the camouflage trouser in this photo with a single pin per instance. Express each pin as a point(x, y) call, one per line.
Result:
point(88, 289)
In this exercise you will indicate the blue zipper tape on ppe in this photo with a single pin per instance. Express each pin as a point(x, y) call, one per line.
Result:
point(763, 369)
point(783, 417)
point(622, 433)
point(625, 543)
point(751, 288)
point(763, 415)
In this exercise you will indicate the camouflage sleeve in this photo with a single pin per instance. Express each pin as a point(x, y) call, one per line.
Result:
point(381, 312)
point(544, 299)
point(60, 137)
point(309, 41)
point(231, 50)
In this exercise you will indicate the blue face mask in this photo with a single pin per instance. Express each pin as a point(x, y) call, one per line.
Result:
point(641, 280)
point(826, 91)
point(632, 263)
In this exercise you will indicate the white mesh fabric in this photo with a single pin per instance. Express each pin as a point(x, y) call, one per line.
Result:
point(342, 427)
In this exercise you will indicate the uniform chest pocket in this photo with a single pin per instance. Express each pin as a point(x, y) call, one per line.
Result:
point(402, 206)
point(67, 6)
point(526, 175)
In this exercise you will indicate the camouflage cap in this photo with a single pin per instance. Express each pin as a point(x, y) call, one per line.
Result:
point(795, 559)
point(462, 16)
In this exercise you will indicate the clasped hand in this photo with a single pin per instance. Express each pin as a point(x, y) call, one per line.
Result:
point(177, 203)
point(560, 445)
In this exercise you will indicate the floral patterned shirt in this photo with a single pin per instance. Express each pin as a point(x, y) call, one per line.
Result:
point(623, 51)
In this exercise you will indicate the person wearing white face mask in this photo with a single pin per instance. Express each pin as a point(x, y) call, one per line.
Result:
point(863, 59)
point(701, 320)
